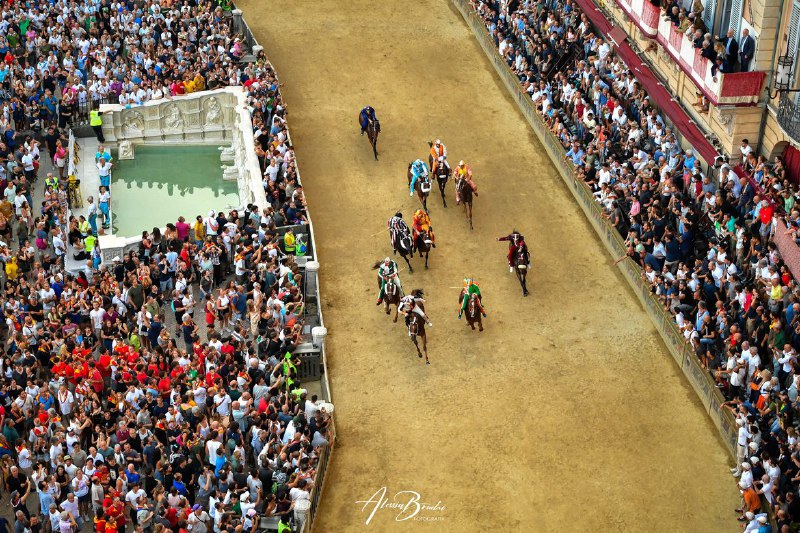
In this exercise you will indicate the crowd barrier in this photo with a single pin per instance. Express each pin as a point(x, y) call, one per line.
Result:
point(313, 363)
point(702, 383)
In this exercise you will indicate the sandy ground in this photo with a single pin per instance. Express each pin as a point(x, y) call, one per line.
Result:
point(566, 414)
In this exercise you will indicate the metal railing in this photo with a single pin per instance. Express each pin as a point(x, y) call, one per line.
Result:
point(789, 115)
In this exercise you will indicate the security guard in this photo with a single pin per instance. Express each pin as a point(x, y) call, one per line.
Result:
point(51, 181)
point(96, 122)
point(289, 242)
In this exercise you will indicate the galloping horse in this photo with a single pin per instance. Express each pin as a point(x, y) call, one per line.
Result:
point(373, 130)
point(442, 174)
point(423, 188)
point(474, 312)
point(464, 192)
point(521, 260)
point(422, 244)
point(416, 327)
point(403, 243)
point(391, 297)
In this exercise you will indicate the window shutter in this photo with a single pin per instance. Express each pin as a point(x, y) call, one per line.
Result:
point(709, 10)
point(793, 32)
point(736, 17)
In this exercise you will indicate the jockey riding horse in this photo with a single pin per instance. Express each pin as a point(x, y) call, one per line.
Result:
point(514, 239)
point(470, 288)
point(401, 238)
point(366, 116)
point(441, 170)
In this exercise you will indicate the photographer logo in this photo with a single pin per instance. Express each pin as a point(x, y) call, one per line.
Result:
point(403, 505)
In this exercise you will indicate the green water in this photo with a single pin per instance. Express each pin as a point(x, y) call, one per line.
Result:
point(162, 183)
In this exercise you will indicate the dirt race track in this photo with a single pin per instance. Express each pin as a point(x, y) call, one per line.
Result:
point(566, 414)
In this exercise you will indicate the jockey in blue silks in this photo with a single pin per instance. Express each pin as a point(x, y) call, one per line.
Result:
point(418, 170)
point(367, 114)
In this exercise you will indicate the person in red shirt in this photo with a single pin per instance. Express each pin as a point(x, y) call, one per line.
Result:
point(95, 378)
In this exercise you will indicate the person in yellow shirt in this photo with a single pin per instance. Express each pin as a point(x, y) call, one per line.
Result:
point(189, 85)
point(199, 231)
point(199, 82)
point(421, 221)
point(12, 268)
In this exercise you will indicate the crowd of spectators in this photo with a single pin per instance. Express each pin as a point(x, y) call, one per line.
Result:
point(158, 391)
point(702, 236)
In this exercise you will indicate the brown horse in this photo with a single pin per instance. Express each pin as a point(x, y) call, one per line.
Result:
point(464, 192)
point(416, 327)
point(391, 297)
point(442, 174)
point(422, 186)
point(423, 245)
point(474, 313)
point(373, 130)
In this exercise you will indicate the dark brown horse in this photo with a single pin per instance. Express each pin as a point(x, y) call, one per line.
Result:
point(442, 174)
point(422, 186)
point(464, 193)
point(391, 297)
point(422, 244)
point(416, 327)
point(373, 130)
point(474, 312)
point(521, 260)
point(403, 244)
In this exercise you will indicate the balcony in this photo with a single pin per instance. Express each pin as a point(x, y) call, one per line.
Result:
point(789, 115)
point(735, 89)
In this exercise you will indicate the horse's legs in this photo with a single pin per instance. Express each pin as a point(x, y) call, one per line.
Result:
point(522, 281)
point(396, 311)
point(426, 260)
point(407, 261)
point(386, 305)
point(425, 348)
point(480, 323)
point(416, 344)
point(374, 142)
point(469, 215)
point(441, 191)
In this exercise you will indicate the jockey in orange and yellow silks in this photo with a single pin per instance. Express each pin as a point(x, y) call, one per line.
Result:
point(422, 222)
point(438, 149)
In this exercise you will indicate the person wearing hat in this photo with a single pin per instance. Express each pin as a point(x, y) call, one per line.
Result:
point(198, 519)
point(751, 503)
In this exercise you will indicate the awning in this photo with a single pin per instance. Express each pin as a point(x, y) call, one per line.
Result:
point(657, 92)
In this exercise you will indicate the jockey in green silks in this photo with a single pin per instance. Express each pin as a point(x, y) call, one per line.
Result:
point(470, 288)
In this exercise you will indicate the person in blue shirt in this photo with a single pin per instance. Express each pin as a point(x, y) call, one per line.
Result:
point(367, 114)
point(418, 170)
point(575, 154)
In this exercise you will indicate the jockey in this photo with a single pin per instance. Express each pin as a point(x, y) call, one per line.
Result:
point(387, 273)
point(470, 289)
point(368, 114)
point(438, 164)
point(422, 222)
point(410, 303)
point(397, 226)
point(438, 150)
point(418, 170)
point(463, 170)
point(515, 241)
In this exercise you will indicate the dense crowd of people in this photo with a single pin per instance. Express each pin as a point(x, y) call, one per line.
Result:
point(161, 391)
point(702, 236)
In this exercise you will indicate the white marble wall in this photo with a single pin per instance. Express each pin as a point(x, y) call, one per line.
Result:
point(218, 117)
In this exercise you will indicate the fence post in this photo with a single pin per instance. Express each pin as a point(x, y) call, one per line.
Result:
point(237, 21)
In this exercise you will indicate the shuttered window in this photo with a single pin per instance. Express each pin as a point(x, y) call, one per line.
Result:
point(793, 31)
point(709, 10)
point(736, 17)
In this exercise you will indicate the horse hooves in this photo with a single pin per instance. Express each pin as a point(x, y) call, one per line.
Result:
point(525, 293)
point(419, 355)
point(427, 362)
point(426, 267)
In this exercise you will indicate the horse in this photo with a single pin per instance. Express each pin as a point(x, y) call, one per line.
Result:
point(391, 296)
point(423, 187)
point(373, 130)
point(404, 244)
point(422, 244)
point(416, 327)
point(442, 176)
point(521, 260)
point(473, 312)
point(464, 193)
